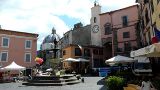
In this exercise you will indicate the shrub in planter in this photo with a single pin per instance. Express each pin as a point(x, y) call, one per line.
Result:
point(115, 83)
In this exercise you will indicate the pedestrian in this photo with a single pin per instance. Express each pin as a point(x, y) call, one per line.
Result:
point(146, 84)
point(82, 80)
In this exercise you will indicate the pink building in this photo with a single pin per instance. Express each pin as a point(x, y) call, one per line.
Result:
point(19, 47)
point(118, 31)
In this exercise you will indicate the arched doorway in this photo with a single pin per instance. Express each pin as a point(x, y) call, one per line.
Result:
point(107, 50)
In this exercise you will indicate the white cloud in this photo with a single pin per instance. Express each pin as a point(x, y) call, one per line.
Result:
point(39, 16)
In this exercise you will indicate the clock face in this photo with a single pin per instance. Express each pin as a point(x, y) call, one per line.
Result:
point(95, 28)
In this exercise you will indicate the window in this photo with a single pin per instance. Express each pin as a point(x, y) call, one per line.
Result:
point(119, 49)
point(87, 52)
point(146, 1)
point(28, 44)
point(101, 52)
point(27, 57)
point(98, 62)
point(78, 52)
point(146, 17)
point(125, 21)
point(5, 42)
point(95, 51)
point(143, 26)
point(4, 56)
point(127, 46)
point(152, 6)
point(108, 29)
point(126, 34)
point(95, 19)
point(64, 52)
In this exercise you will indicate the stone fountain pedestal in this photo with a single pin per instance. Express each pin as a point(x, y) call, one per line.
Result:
point(52, 80)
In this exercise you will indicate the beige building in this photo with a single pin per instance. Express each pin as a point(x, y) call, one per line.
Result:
point(149, 30)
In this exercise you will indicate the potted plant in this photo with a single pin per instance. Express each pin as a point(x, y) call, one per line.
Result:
point(115, 83)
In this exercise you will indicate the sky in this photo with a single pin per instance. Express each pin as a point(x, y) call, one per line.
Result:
point(40, 16)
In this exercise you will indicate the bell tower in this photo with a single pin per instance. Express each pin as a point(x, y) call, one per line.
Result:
point(95, 24)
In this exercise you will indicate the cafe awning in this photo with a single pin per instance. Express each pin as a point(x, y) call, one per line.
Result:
point(148, 51)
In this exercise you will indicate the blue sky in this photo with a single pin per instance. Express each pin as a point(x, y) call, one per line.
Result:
point(39, 16)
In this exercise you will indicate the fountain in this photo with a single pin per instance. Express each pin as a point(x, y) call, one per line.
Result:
point(49, 77)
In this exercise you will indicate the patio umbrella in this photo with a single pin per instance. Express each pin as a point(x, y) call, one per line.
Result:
point(75, 60)
point(119, 59)
point(82, 60)
point(70, 60)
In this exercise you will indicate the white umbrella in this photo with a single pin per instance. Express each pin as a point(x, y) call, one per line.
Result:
point(13, 66)
point(119, 59)
point(70, 60)
point(82, 60)
point(75, 60)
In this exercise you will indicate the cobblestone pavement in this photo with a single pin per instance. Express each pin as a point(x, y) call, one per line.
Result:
point(91, 83)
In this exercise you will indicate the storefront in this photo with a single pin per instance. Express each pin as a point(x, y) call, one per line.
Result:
point(153, 53)
point(149, 51)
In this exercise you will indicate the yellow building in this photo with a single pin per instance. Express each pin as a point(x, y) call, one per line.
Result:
point(93, 54)
point(68, 52)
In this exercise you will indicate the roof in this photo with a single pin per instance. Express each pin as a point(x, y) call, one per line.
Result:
point(84, 46)
point(119, 9)
point(18, 33)
point(51, 38)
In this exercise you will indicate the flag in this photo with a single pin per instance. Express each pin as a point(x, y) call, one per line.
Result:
point(80, 47)
point(154, 40)
point(157, 33)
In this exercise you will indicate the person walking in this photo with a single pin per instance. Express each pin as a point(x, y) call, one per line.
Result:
point(146, 84)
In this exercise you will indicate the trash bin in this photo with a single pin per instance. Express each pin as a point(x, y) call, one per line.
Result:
point(103, 72)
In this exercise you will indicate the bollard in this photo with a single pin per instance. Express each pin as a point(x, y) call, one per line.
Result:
point(82, 80)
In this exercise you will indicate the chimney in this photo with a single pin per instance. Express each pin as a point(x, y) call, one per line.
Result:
point(78, 25)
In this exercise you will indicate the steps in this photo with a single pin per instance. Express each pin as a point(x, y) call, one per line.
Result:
point(52, 80)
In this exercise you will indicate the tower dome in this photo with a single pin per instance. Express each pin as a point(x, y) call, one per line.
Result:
point(50, 40)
